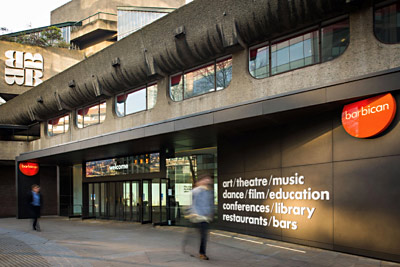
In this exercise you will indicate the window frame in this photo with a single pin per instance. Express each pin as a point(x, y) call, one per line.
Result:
point(379, 5)
point(318, 28)
point(183, 72)
point(137, 89)
point(97, 103)
point(52, 130)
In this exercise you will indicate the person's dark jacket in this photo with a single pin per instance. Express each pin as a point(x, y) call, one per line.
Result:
point(34, 210)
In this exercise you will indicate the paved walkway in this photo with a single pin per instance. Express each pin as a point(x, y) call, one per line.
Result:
point(64, 242)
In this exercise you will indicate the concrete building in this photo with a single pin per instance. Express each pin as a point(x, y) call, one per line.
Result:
point(98, 21)
point(278, 100)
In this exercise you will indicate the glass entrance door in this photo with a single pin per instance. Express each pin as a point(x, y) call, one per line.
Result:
point(164, 199)
point(135, 201)
point(127, 201)
point(146, 201)
point(159, 200)
point(119, 201)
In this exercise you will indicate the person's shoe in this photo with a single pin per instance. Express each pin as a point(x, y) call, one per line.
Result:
point(204, 257)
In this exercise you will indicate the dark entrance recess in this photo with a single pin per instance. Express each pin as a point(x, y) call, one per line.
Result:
point(142, 201)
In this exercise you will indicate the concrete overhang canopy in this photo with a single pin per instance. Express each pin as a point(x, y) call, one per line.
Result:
point(212, 29)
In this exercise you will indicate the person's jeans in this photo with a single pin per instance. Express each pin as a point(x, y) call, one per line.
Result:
point(203, 227)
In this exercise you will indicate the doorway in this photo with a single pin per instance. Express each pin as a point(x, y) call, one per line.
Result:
point(144, 201)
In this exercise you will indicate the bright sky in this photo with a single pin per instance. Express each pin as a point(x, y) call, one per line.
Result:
point(18, 15)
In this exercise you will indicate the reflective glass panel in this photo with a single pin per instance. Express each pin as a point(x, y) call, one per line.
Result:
point(120, 105)
point(334, 40)
point(103, 199)
point(387, 23)
point(224, 73)
point(136, 101)
point(199, 81)
point(135, 201)
point(294, 53)
point(176, 87)
point(58, 125)
point(97, 199)
point(259, 62)
point(91, 115)
point(91, 199)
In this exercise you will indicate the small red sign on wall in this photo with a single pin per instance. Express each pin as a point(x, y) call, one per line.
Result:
point(369, 117)
point(29, 168)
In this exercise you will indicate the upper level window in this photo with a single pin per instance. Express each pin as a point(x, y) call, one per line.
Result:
point(138, 100)
point(319, 45)
point(387, 22)
point(209, 78)
point(91, 115)
point(58, 125)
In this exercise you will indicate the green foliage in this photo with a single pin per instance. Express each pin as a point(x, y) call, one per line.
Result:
point(50, 37)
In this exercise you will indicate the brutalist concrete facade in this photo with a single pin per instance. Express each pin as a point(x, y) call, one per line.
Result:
point(281, 126)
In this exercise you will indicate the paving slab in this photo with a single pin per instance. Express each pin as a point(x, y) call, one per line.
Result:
point(73, 242)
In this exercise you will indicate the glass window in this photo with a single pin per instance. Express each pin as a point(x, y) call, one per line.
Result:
point(294, 53)
point(120, 105)
point(259, 62)
point(182, 173)
point(199, 81)
point(334, 40)
point(58, 125)
point(300, 51)
point(91, 115)
point(209, 78)
point(143, 99)
point(224, 73)
point(387, 23)
point(176, 87)
point(136, 101)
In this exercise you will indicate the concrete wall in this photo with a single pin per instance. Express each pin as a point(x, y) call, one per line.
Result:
point(8, 205)
point(55, 61)
point(361, 175)
point(364, 55)
point(68, 12)
point(11, 149)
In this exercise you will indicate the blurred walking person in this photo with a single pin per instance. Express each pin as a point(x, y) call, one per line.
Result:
point(202, 210)
point(35, 202)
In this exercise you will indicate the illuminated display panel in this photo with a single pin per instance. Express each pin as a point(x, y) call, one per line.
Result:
point(146, 163)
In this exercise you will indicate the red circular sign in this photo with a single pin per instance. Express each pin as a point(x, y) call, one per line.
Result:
point(29, 168)
point(369, 117)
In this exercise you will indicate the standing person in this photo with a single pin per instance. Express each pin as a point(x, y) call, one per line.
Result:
point(35, 202)
point(202, 209)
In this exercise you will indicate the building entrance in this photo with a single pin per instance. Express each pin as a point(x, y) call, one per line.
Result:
point(142, 201)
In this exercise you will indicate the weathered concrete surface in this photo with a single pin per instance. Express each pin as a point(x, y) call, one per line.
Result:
point(364, 55)
point(64, 242)
point(55, 61)
point(11, 149)
point(217, 28)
